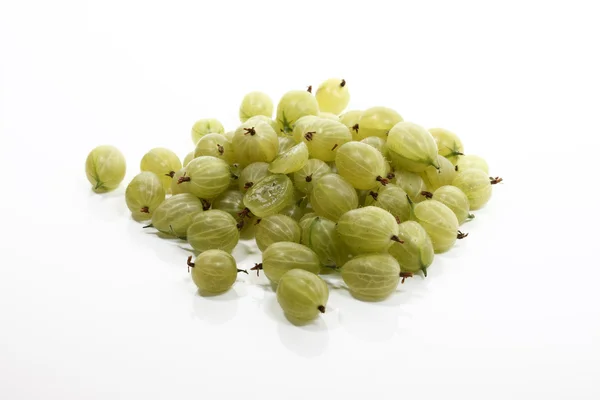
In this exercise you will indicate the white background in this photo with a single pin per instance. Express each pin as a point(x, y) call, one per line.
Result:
point(92, 307)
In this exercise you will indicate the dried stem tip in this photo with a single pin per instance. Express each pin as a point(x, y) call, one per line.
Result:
point(240, 224)
point(250, 131)
point(308, 178)
point(495, 180)
point(248, 185)
point(461, 235)
point(382, 180)
point(242, 270)
point(428, 195)
point(257, 268)
point(190, 264)
point(220, 149)
point(343, 83)
point(373, 195)
point(355, 128)
point(309, 88)
point(309, 135)
point(396, 239)
point(183, 178)
point(405, 275)
point(321, 309)
point(171, 174)
point(244, 213)
point(334, 147)
point(145, 210)
point(205, 204)
point(391, 176)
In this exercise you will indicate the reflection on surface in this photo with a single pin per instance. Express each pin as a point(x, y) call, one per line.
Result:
point(216, 309)
point(309, 340)
point(374, 321)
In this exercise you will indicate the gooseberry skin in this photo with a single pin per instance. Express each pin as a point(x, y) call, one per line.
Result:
point(476, 184)
point(255, 103)
point(276, 228)
point(332, 196)
point(252, 174)
point(302, 295)
point(214, 272)
point(456, 200)
point(207, 177)
point(321, 236)
point(391, 198)
point(360, 165)
point(280, 257)
point(174, 215)
point(448, 143)
point(309, 174)
point(213, 229)
point(333, 96)
point(368, 229)
point(377, 121)
point(163, 162)
point(412, 147)
point(411, 183)
point(291, 160)
point(471, 161)
point(436, 177)
point(105, 168)
point(206, 126)
point(322, 136)
point(350, 119)
point(144, 194)
point(439, 222)
point(416, 253)
point(255, 141)
point(215, 145)
point(371, 277)
point(292, 106)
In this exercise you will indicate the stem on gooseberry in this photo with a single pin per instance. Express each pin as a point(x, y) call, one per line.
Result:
point(374, 195)
point(244, 213)
point(248, 185)
point(426, 194)
point(391, 175)
point(461, 235)
point(321, 309)
point(250, 131)
point(424, 269)
point(343, 83)
point(334, 147)
point(190, 264)
point(309, 89)
point(257, 268)
point(145, 210)
point(220, 149)
point(495, 180)
point(242, 270)
point(183, 178)
point(405, 275)
point(381, 180)
point(171, 174)
point(395, 238)
point(355, 128)
point(308, 178)
point(205, 204)
point(308, 136)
